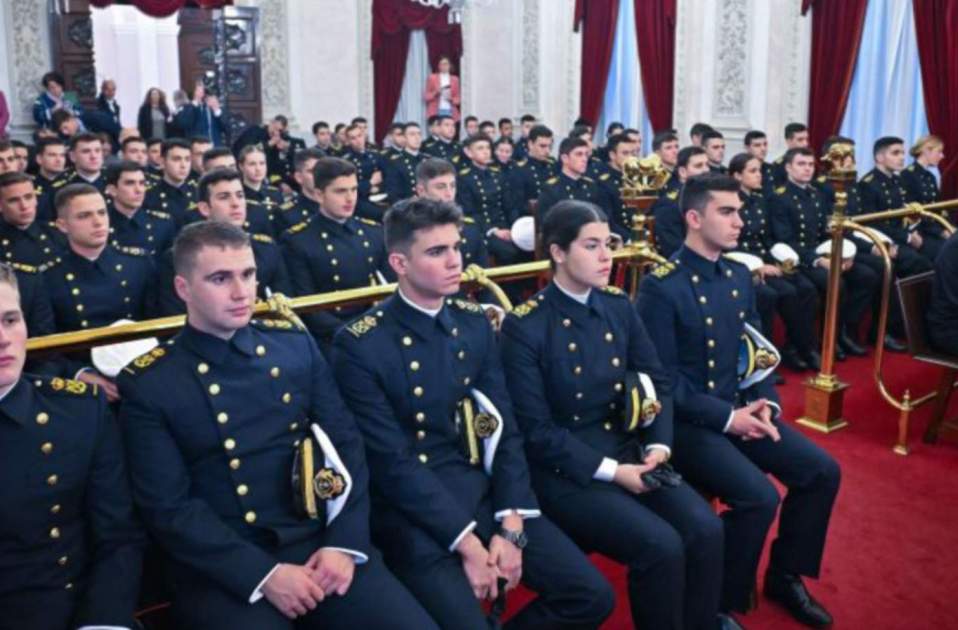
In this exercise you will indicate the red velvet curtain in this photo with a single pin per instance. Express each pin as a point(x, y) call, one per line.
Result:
point(163, 8)
point(936, 23)
point(836, 32)
point(392, 22)
point(597, 19)
point(655, 35)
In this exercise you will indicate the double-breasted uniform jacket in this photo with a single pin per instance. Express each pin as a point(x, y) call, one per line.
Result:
point(562, 187)
point(482, 195)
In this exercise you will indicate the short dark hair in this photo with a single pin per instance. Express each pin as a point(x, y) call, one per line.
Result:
point(431, 168)
point(686, 154)
point(432, 120)
point(199, 140)
point(476, 139)
point(245, 151)
point(19, 144)
point(410, 125)
point(174, 143)
point(281, 119)
point(329, 168)
point(61, 201)
point(84, 136)
point(216, 152)
point(14, 177)
point(699, 128)
point(539, 131)
point(54, 141)
point(396, 126)
point(753, 135)
point(570, 144)
point(487, 123)
point(59, 117)
point(582, 122)
point(712, 134)
point(661, 137)
point(151, 141)
point(792, 153)
point(358, 120)
point(131, 140)
point(884, 142)
point(417, 213)
point(564, 220)
point(442, 117)
point(697, 191)
point(738, 163)
point(793, 128)
point(527, 118)
point(115, 172)
point(580, 130)
point(303, 156)
point(610, 130)
point(52, 76)
point(5, 145)
point(468, 119)
point(616, 140)
point(504, 121)
point(321, 124)
point(195, 236)
point(339, 126)
point(216, 176)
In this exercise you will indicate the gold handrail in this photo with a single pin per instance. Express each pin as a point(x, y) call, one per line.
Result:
point(824, 392)
point(165, 326)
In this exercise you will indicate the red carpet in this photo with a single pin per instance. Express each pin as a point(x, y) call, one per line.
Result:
point(892, 555)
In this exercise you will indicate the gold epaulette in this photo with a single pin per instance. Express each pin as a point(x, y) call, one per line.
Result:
point(614, 290)
point(288, 205)
point(253, 202)
point(366, 221)
point(145, 360)
point(494, 169)
point(363, 325)
point(672, 194)
point(464, 171)
point(468, 220)
point(262, 238)
point(525, 308)
point(275, 178)
point(663, 269)
point(395, 156)
point(60, 182)
point(466, 305)
point(604, 176)
point(910, 168)
point(192, 206)
point(159, 214)
point(821, 179)
point(522, 162)
point(588, 180)
point(779, 159)
point(274, 324)
point(780, 190)
point(132, 251)
point(25, 267)
point(552, 180)
point(299, 227)
point(868, 178)
point(67, 386)
point(456, 159)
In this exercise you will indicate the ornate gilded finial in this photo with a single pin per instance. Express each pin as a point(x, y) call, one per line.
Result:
point(643, 177)
point(839, 161)
point(280, 305)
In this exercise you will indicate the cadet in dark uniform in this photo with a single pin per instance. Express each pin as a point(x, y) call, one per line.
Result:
point(922, 187)
point(443, 144)
point(669, 224)
point(610, 186)
point(256, 186)
point(304, 205)
point(221, 199)
point(334, 250)
point(259, 216)
point(368, 172)
point(51, 161)
point(86, 156)
point(72, 551)
point(481, 195)
point(452, 502)
point(796, 137)
point(211, 465)
point(571, 182)
point(729, 432)
point(132, 224)
point(535, 168)
point(174, 194)
point(943, 310)
point(791, 294)
point(23, 238)
point(401, 168)
point(714, 144)
point(756, 145)
point(572, 356)
point(799, 218)
point(436, 180)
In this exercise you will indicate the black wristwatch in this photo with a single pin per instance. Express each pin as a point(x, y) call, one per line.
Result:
point(519, 539)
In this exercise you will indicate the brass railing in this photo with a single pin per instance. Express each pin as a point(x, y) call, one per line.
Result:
point(824, 392)
point(286, 307)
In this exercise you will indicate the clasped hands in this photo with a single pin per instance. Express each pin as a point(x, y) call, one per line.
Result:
point(484, 567)
point(297, 589)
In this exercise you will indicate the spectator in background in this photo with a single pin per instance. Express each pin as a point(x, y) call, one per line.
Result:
point(65, 124)
point(442, 91)
point(4, 115)
point(52, 100)
point(106, 101)
point(208, 117)
point(182, 116)
point(154, 115)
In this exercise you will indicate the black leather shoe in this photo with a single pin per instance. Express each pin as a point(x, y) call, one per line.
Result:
point(813, 359)
point(849, 346)
point(893, 345)
point(728, 622)
point(789, 591)
point(839, 353)
point(792, 360)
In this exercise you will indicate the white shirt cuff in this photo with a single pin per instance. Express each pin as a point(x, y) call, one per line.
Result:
point(258, 592)
point(76, 377)
point(728, 423)
point(606, 470)
point(501, 514)
point(468, 530)
point(777, 408)
point(668, 451)
point(358, 556)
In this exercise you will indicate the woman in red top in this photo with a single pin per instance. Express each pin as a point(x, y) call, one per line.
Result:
point(442, 91)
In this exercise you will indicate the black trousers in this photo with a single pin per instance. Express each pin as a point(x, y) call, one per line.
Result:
point(857, 286)
point(376, 599)
point(735, 471)
point(908, 263)
point(38, 610)
point(572, 593)
point(670, 540)
point(793, 297)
